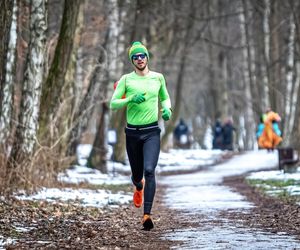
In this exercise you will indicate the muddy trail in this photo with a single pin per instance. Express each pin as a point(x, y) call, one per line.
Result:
point(44, 225)
point(207, 209)
point(68, 226)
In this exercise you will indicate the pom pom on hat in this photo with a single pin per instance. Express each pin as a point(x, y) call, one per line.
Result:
point(137, 47)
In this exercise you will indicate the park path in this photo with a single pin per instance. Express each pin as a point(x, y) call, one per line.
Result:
point(200, 197)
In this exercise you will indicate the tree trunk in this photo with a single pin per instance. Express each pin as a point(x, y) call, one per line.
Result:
point(52, 89)
point(296, 130)
point(179, 83)
point(8, 36)
point(97, 158)
point(25, 138)
point(84, 113)
point(249, 125)
point(119, 152)
point(290, 96)
point(275, 74)
point(213, 101)
point(63, 117)
point(265, 65)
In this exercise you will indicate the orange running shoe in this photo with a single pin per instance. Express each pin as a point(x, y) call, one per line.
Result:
point(147, 222)
point(138, 196)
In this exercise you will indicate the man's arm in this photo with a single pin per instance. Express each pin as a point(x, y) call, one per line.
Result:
point(165, 100)
point(117, 101)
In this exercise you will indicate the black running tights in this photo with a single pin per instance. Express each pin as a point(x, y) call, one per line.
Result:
point(143, 147)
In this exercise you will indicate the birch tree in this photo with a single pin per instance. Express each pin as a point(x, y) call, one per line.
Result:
point(250, 130)
point(291, 89)
point(28, 119)
point(296, 133)
point(264, 66)
point(7, 66)
point(295, 9)
point(276, 72)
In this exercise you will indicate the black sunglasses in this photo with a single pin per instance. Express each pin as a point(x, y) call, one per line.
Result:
point(136, 57)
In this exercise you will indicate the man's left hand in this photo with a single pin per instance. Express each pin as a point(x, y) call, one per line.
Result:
point(166, 114)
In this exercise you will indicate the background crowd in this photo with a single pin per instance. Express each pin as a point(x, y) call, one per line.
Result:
point(223, 135)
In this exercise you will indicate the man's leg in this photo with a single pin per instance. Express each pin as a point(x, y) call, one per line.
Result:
point(134, 149)
point(151, 154)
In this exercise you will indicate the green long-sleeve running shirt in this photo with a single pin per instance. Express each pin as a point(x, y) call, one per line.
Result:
point(153, 85)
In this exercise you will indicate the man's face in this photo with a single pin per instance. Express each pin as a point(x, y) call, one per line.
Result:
point(140, 61)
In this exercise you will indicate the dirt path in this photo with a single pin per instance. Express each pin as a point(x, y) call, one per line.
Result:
point(69, 226)
point(271, 214)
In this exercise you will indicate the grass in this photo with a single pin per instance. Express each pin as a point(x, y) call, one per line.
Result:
point(273, 183)
point(277, 188)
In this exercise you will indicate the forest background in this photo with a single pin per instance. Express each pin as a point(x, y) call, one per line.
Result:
point(60, 59)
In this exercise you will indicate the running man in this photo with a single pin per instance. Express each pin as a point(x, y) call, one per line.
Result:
point(143, 89)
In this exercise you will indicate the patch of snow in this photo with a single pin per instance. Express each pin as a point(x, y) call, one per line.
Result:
point(275, 175)
point(5, 241)
point(85, 197)
point(79, 174)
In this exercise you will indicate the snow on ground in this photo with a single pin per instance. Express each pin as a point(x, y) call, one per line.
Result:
point(5, 241)
point(174, 160)
point(78, 174)
point(203, 193)
point(275, 175)
point(203, 190)
point(185, 160)
point(85, 197)
point(290, 182)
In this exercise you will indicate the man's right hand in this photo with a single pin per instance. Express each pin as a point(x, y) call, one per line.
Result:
point(138, 98)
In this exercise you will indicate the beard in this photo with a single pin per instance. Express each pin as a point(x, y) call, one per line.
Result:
point(140, 68)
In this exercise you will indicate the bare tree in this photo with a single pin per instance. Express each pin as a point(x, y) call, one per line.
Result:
point(64, 118)
point(8, 38)
point(181, 73)
point(92, 98)
point(53, 86)
point(111, 66)
point(250, 132)
point(291, 89)
point(295, 132)
point(265, 66)
point(25, 138)
point(275, 72)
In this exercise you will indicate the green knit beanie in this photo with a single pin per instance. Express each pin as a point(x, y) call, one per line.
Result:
point(137, 47)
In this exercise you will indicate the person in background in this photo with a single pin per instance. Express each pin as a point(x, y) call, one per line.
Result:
point(271, 134)
point(217, 135)
point(261, 126)
point(143, 90)
point(227, 132)
point(181, 135)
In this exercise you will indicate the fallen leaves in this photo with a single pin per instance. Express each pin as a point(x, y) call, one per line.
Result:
point(69, 226)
